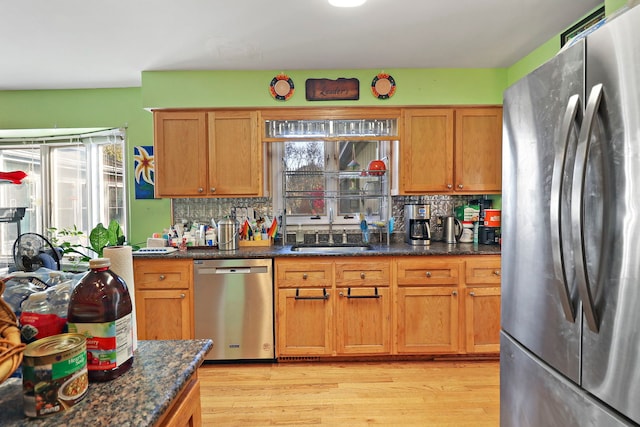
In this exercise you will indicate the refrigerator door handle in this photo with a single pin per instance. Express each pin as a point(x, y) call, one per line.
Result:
point(572, 117)
point(577, 206)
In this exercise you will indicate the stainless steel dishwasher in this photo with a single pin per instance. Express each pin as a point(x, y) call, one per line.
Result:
point(234, 308)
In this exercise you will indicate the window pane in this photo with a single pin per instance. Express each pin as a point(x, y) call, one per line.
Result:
point(69, 187)
point(358, 191)
point(112, 183)
point(26, 195)
point(306, 185)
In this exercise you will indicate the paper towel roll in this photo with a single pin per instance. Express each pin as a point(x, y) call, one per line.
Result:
point(122, 264)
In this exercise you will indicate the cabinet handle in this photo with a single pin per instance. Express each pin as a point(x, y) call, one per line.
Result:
point(362, 275)
point(200, 190)
point(213, 189)
point(473, 294)
point(375, 295)
point(304, 276)
point(162, 277)
point(460, 186)
point(497, 272)
point(325, 295)
point(182, 296)
point(449, 186)
point(454, 293)
point(428, 274)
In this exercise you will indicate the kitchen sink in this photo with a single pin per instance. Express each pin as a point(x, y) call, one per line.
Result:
point(331, 248)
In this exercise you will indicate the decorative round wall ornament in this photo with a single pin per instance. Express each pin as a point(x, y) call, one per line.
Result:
point(383, 86)
point(281, 87)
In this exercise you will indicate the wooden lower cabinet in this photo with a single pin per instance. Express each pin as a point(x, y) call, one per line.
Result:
point(333, 306)
point(186, 409)
point(164, 299)
point(363, 320)
point(482, 304)
point(427, 319)
point(304, 322)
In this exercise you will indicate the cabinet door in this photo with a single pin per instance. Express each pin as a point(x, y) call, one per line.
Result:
point(234, 154)
point(427, 151)
point(363, 320)
point(304, 320)
point(180, 156)
point(482, 306)
point(478, 150)
point(427, 320)
point(164, 314)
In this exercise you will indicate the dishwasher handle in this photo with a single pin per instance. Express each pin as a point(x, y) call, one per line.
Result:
point(232, 270)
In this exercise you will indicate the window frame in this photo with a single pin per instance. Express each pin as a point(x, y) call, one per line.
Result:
point(92, 143)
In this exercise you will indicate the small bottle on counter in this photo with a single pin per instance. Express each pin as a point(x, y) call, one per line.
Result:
point(300, 234)
point(100, 308)
point(38, 319)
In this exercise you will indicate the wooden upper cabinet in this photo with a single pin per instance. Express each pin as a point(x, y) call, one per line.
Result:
point(451, 150)
point(426, 150)
point(235, 167)
point(207, 153)
point(180, 155)
point(478, 150)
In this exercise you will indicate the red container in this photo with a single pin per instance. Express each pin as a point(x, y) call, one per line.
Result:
point(492, 217)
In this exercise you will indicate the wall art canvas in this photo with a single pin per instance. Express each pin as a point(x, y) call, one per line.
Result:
point(144, 171)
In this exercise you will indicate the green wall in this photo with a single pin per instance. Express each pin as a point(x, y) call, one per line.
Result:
point(251, 88)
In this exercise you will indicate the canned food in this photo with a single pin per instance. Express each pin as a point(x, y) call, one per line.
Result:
point(54, 374)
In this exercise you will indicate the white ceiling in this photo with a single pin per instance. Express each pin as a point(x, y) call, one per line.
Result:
point(55, 44)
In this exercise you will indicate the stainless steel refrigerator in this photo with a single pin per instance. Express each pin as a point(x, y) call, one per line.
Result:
point(570, 340)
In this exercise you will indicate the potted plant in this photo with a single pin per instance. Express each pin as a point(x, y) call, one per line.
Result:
point(99, 238)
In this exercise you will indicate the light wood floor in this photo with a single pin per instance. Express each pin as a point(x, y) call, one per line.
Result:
point(415, 393)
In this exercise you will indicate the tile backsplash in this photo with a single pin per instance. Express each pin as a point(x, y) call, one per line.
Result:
point(203, 210)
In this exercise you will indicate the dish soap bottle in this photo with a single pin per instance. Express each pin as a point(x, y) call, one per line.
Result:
point(100, 308)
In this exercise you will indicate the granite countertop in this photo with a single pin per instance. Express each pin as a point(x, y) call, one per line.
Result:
point(276, 251)
point(137, 398)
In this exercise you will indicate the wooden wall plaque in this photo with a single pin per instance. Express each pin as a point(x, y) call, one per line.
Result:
point(332, 90)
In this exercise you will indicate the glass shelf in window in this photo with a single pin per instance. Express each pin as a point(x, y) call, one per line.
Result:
point(330, 128)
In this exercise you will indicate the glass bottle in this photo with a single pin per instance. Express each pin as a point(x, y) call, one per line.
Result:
point(100, 308)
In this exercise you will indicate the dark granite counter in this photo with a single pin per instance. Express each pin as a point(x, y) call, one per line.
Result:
point(394, 249)
point(137, 398)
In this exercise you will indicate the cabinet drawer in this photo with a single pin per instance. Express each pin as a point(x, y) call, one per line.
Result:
point(162, 274)
point(428, 272)
point(304, 272)
point(363, 273)
point(483, 271)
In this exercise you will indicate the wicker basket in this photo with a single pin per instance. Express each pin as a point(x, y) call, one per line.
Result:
point(11, 347)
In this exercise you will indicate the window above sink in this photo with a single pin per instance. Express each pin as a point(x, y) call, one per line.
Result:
point(318, 166)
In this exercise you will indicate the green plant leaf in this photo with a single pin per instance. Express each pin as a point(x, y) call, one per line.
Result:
point(99, 238)
point(115, 233)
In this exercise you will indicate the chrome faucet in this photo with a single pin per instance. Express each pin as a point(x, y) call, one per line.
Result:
point(331, 226)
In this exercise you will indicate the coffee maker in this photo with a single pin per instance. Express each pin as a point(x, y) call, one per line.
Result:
point(416, 224)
